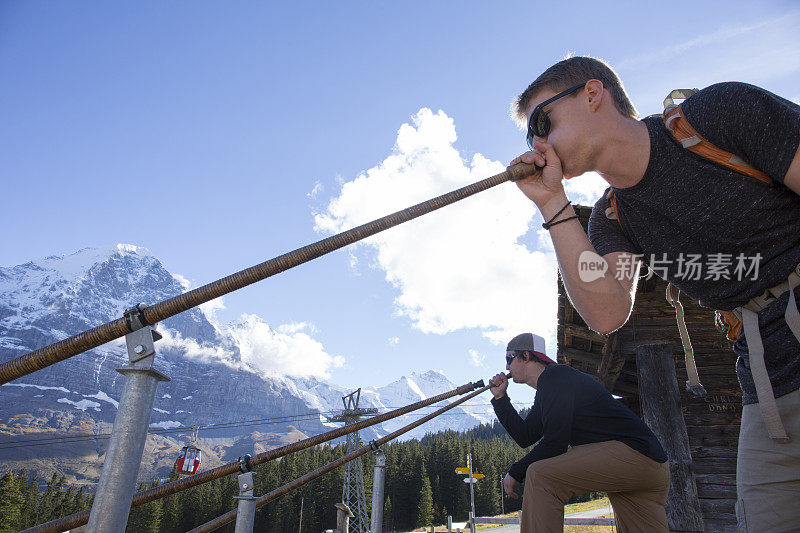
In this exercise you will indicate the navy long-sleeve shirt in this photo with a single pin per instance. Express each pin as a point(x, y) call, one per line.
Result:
point(571, 408)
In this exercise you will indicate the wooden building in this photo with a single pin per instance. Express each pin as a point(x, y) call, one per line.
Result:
point(711, 422)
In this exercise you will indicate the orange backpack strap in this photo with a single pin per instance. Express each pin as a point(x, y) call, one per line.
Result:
point(612, 213)
point(729, 323)
point(685, 134)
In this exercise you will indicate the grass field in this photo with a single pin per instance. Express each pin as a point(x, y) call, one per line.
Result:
point(572, 508)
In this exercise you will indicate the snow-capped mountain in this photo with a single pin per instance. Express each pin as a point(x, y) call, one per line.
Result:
point(219, 372)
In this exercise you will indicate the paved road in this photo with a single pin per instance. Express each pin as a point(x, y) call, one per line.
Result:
point(594, 513)
point(514, 528)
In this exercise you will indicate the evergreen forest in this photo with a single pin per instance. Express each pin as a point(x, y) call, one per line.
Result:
point(421, 489)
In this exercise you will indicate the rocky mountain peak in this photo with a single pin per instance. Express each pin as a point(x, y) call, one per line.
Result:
point(220, 372)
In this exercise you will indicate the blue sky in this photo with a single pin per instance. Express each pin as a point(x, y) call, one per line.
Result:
point(221, 134)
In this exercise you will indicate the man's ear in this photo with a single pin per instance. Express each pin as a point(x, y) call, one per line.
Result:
point(595, 92)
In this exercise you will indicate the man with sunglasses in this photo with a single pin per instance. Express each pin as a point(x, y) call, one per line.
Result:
point(666, 204)
point(585, 441)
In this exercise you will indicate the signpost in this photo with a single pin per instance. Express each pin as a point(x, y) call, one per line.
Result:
point(471, 494)
point(471, 479)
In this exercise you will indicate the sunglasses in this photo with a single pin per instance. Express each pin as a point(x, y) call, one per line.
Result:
point(510, 357)
point(539, 122)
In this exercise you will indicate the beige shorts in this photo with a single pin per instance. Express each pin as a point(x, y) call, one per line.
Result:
point(768, 473)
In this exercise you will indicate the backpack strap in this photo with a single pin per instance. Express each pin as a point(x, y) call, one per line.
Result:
point(678, 94)
point(693, 383)
point(684, 133)
point(612, 213)
point(729, 323)
point(758, 368)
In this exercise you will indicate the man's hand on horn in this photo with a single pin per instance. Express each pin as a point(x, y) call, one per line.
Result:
point(543, 186)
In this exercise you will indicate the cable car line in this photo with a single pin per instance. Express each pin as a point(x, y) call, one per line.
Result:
point(22, 443)
point(225, 425)
point(140, 498)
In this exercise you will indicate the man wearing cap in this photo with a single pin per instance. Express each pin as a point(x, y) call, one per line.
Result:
point(585, 441)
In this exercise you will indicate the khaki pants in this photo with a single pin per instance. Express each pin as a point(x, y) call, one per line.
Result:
point(636, 485)
point(768, 473)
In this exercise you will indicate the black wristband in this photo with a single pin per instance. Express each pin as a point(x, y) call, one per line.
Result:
point(560, 221)
point(550, 222)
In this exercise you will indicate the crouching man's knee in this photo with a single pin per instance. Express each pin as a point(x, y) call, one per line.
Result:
point(540, 470)
point(542, 478)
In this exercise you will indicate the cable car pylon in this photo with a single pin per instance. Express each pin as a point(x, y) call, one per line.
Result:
point(353, 494)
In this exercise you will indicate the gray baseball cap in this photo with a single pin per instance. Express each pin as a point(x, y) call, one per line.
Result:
point(531, 343)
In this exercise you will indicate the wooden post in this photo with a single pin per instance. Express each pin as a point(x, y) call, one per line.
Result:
point(343, 516)
point(661, 410)
point(611, 363)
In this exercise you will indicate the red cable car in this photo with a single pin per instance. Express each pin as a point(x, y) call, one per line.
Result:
point(190, 458)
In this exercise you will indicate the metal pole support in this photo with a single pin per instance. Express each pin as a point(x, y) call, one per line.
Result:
point(246, 513)
point(502, 501)
point(112, 504)
point(376, 524)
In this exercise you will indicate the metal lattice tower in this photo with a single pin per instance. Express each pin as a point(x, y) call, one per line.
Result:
point(353, 490)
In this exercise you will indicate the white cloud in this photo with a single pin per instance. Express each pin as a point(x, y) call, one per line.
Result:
point(476, 359)
point(352, 260)
point(183, 280)
point(463, 266)
point(394, 341)
point(211, 307)
point(192, 349)
point(315, 191)
point(294, 327)
point(287, 350)
point(585, 189)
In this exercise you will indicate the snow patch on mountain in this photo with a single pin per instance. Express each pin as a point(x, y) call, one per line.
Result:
point(166, 424)
point(82, 405)
point(100, 395)
point(40, 387)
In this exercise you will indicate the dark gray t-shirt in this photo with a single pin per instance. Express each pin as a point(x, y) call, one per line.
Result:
point(719, 236)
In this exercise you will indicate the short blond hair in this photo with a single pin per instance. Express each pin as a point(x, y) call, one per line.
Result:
point(572, 71)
